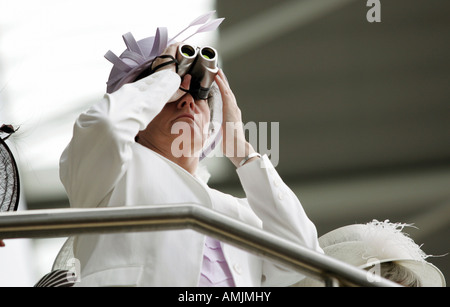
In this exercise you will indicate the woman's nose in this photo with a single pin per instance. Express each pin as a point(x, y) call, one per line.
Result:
point(187, 101)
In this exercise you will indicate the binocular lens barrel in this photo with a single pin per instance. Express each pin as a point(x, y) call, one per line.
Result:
point(186, 56)
point(208, 53)
point(188, 51)
point(201, 64)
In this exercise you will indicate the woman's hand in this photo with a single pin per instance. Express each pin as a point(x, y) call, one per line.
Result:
point(171, 50)
point(234, 144)
point(185, 84)
point(186, 81)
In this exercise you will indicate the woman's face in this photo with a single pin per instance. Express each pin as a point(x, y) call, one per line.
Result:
point(183, 124)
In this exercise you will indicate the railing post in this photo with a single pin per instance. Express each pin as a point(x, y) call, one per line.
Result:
point(331, 282)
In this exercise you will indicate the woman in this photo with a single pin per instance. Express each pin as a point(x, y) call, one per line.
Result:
point(122, 154)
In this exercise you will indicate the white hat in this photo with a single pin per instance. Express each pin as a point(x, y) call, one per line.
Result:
point(366, 245)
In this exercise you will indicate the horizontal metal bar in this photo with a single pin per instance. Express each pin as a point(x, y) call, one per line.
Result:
point(66, 222)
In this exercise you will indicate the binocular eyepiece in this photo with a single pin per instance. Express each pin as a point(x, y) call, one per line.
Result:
point(201, 64)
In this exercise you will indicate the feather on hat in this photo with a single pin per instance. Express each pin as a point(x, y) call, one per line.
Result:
point(139, 54)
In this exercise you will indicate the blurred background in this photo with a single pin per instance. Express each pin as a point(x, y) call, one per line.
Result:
point(363, 108)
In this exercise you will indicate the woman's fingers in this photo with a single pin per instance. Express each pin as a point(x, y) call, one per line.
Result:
point(224, 77)
point(186, 82)
point(231, 111)
point(185, 85)
point(170, 50)
point(224, 86)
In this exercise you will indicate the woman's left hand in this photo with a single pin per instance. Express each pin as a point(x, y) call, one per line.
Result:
point(234, 144)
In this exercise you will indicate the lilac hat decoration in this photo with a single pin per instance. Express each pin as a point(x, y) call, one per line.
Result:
point(139, 54)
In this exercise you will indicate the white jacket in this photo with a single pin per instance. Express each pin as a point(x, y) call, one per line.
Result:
point(104, 167)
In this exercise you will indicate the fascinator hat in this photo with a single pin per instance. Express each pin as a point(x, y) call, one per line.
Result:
point(368, 245)
point(139, 56)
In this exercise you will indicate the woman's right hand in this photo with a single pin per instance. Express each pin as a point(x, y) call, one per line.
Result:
point(186, 80)
point(170, 50)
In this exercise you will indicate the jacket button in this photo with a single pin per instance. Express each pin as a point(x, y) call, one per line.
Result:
point(276, 183)
point(280, 195)
point(237, 268)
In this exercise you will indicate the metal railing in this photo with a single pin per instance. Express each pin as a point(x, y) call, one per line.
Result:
point(67, 222)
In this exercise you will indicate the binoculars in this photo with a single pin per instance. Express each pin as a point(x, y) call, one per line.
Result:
point(201, 64)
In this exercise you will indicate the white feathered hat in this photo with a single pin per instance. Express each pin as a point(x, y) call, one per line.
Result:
point(365, 245)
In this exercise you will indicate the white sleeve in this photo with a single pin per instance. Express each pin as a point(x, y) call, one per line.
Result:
point(96, 157)
point(281, 213)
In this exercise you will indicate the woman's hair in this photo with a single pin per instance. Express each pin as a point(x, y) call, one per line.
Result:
point(395, 272)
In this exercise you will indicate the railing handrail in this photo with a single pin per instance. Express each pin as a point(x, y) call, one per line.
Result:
point(67, 222)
